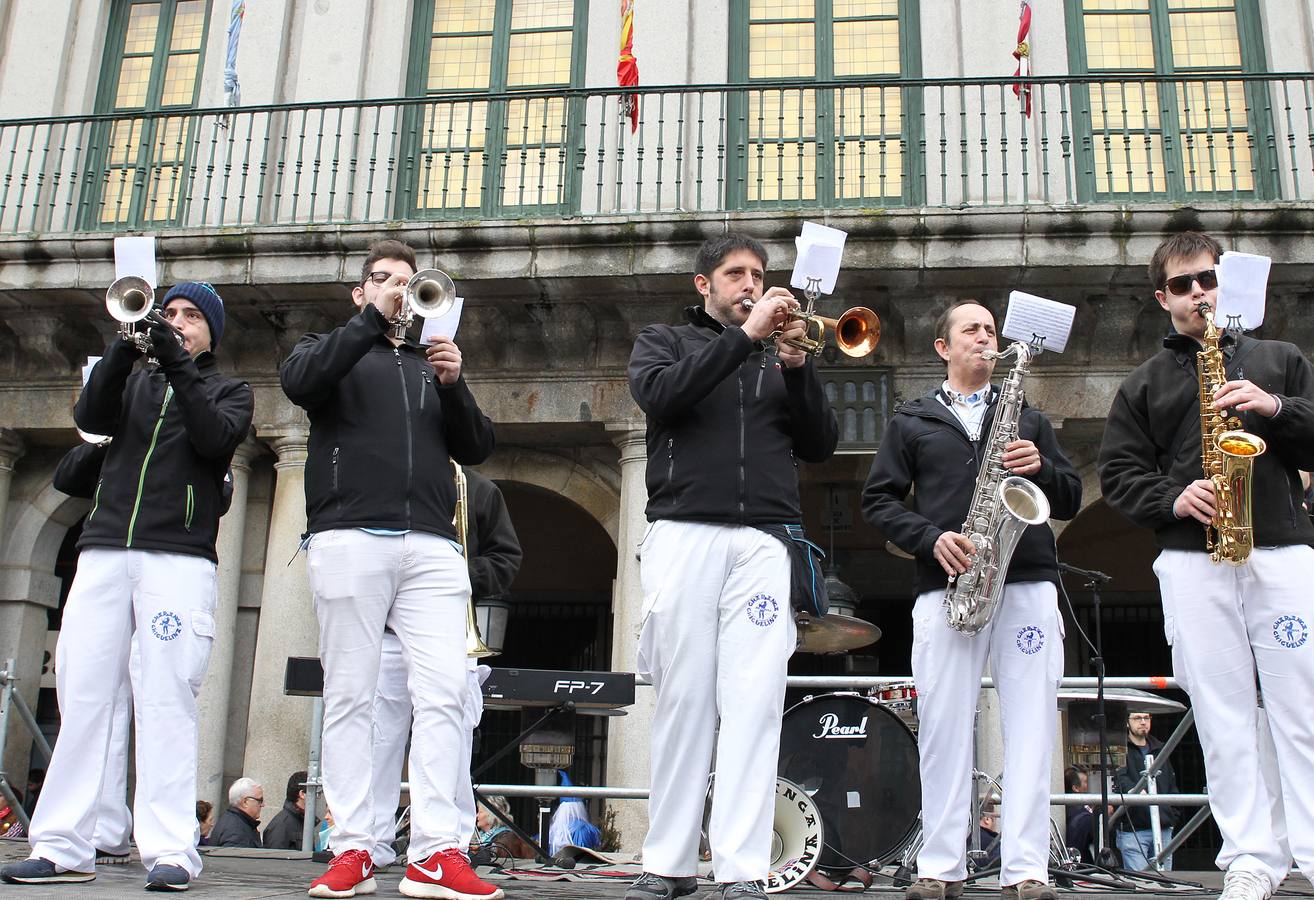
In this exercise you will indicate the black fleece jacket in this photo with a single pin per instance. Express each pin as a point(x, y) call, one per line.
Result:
point(175, 427)
point(494, 547)
point(1151, 448)
point(78, 473)
point(925, 446)
point(381, 430)
point(726, 423)
point(1137, 818)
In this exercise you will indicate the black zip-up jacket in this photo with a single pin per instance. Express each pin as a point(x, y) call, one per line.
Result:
point(235, 829)
point(78, 473)
point(925, 445)
point(726, 422)
point(381, 430)
point(1151, 447)
point(175, 428)
point(494, 547)
point(284, 830)
point(1137, 818)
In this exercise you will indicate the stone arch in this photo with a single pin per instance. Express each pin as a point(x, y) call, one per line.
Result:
point(33, 545)
point(593, 488)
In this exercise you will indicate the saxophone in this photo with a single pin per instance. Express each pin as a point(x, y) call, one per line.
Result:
point(1227, 455)
point(475, 647)
point(1003, 506)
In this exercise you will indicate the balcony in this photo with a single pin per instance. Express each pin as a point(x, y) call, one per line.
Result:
point(898, 144)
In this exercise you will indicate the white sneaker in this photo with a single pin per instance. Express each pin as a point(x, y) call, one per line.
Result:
point(1239, 884)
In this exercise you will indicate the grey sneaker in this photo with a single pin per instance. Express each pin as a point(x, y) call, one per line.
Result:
point(1029, 890)
point(933, 889)
point(751, 889)
point(658, 887)
point(38, 870)
point(1239, 884)
point(164, 877)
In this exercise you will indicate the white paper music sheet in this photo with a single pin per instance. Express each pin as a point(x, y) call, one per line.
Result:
point(1030, 318)
point(820, 249)
point(444, 325)
point(135, 256)
point(1242, 284)
point(86, 370)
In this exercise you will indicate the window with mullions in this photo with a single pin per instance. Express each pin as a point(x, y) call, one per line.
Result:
point(466, 156)
point(839, 146)
point(1194, 135)
point(153, 56)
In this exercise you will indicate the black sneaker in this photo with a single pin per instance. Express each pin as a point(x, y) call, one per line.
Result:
point(658, 887)
point(41, 871)
point(111, 858)
point(747, 889)
point(164, 877)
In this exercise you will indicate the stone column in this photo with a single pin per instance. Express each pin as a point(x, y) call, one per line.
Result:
point(278, 726)
point(628, 749)
point(212, 703)
point(22, 626)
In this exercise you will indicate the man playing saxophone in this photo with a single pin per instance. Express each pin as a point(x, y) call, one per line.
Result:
point(1227, 622)
point(936, 446)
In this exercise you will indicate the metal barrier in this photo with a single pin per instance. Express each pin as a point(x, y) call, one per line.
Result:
point(11, 699)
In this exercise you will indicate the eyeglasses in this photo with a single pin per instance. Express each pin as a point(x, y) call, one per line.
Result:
point(379, 278)
point(260, 801)
point(1181, 284)
point(191, 314)
point(1139, 717)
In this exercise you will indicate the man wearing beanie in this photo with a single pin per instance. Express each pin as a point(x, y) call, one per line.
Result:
point(145, 577)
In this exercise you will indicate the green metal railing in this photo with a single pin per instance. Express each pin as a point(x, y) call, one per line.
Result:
point(766, 145)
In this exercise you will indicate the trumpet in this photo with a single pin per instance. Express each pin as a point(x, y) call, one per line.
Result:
point(130, 300)
point(429, 293)
point(856, 332)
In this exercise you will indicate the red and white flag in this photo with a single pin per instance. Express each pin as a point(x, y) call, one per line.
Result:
point(627, 67)
point(1022, 54)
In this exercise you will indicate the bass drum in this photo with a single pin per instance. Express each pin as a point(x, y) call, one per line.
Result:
point(858, 763)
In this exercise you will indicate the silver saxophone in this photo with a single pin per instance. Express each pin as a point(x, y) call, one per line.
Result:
point(1003, 506)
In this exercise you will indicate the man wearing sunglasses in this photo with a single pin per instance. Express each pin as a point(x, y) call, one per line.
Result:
point(1226, 623)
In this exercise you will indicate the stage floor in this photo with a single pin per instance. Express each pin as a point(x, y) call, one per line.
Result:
point(247, 878)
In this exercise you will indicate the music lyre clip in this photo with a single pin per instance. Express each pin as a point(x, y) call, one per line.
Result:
point(1234, 323)
point(1037, 343)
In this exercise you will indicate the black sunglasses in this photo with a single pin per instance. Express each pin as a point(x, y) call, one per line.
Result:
point(1181, 284)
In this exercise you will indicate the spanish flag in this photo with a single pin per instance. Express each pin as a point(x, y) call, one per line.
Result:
point(627, 67)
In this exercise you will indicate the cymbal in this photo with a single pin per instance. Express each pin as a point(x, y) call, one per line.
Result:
point(1135, 700)
point(835, 634)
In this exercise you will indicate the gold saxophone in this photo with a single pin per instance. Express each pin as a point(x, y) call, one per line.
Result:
point(474, 641)
point(1228, 456)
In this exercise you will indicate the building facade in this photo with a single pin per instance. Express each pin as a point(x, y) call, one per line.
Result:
point(491, 136)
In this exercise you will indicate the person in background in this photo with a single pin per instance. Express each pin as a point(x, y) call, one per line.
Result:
point(239, 826)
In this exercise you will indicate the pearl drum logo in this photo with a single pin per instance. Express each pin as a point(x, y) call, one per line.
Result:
point(797, 838)
point(832, 729)
point(763, 610)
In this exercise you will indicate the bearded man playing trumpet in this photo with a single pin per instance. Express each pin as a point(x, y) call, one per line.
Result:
point(386, 414)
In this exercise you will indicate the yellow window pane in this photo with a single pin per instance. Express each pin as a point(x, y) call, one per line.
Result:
point(1205, 40)
point(454, 125)
point(537, 121)
point(867, 48)
point(787, 115)
point(451, 179)
point(538, 58)
point(1117, 4)
point(116, 196)
point(532, 177)
point(864, 163)
point(1215, 105)
point(459, 63)
point(125, 141)
point(165, 187)
point(1212, 162)
point(781, 9)
point(1125, 164)
point(134, 78)
point(782, 172)
point(1119, 42)
point(868, 111)
point(845, 8)
point(782, 51)
point(188, 26)
point(180, 80)
point(462, 15)
point(1131, 105)
point(170, 143)
point(143, 21)
point(542, 13)
point(1196, 4)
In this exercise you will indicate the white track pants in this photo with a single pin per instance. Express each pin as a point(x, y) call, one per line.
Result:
point(164, 603)
point(392, 726)
point(717, 634)
point(1024, 645)
point(113, 818)
point(1225, 622)
point(417, 584)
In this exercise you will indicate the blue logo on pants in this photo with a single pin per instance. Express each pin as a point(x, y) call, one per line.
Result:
point(1290, 631)
point(1030, 639)
point(763, 609)
point(166, 626)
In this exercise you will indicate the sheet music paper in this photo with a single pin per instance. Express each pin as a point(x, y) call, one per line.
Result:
point(1242, 283)
point(1030, 317)
point(135, 256)
point(820, 249)
point(86, 370)
point(444, 325)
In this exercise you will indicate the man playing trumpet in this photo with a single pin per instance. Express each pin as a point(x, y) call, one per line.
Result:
point(385, 416)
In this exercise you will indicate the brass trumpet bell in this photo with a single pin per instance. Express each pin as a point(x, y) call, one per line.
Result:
point(130, 299)
point(856, 332)
point(430, 293)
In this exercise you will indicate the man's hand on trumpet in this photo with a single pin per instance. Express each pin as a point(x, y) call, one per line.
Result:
point(388, 296)
point(769, 314)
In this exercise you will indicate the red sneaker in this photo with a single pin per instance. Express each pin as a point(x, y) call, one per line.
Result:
point(447, 875)
point(350, 873)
